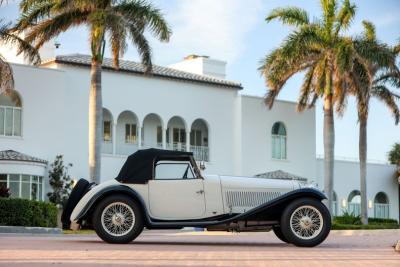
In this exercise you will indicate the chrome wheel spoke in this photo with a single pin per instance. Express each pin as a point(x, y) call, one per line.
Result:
point(306, 222)
point(118, 219)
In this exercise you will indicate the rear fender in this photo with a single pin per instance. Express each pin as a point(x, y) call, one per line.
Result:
point(90, 201)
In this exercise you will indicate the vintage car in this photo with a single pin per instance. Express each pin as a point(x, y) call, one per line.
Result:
point(162, 189)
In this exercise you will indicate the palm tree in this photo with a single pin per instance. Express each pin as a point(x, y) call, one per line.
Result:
point(319, 49)
point(112, 19)
point(382, 70)
point(29, 52)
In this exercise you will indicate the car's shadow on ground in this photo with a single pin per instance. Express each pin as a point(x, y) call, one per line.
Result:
point(190, 243)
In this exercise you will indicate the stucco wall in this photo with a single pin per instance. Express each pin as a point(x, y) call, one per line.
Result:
point(257, 121)
point(380, 178)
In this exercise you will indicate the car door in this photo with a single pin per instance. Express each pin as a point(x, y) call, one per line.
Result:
point(176, 193)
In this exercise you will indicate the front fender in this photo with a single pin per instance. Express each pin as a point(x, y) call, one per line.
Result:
point(98, 193)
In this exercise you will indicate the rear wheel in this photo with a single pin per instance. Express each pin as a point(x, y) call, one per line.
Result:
point(278, 232)
point(118, 219)
point(306, 222)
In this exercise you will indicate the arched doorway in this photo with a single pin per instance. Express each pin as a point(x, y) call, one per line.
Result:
point(199, 141)
point(127, 133)
point(152, 131)
point(354, 201)
point(176, 134)
point(381, 206)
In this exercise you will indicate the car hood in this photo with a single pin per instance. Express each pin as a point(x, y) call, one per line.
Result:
point(243, 193)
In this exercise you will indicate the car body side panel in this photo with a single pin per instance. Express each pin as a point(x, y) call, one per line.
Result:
point(213, 196)
point(176, 199)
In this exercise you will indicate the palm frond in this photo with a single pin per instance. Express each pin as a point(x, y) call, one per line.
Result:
point(290, 16)
point(389, 98)
point(50, 28)
point(345, 16)
point(143, 47)
point(329, 15)
point(6, 76)
point(139, 12)
point(306, 90)
point(369, 30)
point(6, 36)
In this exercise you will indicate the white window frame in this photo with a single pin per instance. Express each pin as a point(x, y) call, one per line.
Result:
point(131, 127)
point(167, 162)
point(3, 134)
point(40, 197)
point(111, 132)
point(282, 139)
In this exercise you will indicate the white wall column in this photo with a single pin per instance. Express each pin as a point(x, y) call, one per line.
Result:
point(187, 140)
point(114, 138)
point(140, 137)
point(164, 138)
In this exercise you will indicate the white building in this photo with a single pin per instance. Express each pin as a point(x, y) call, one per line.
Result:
point(188, 106)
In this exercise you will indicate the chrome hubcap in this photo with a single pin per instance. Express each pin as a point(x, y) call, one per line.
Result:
point(118, 219)
point(306, 222)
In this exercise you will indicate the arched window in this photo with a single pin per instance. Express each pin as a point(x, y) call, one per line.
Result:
point(334, 204)
point(10, 114)
point(107, 146)
point(354, 203)
point(278, 134)
point(381, 205)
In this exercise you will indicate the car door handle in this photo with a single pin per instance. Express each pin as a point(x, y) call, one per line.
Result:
point(200, 192)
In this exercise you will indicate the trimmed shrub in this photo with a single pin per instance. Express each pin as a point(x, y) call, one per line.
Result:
point(24, 212)
point(337, 226)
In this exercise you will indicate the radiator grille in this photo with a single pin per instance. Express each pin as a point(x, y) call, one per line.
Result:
point(249, 199)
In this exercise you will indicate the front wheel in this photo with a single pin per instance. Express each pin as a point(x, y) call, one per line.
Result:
point(306, 222)
point(118, 219)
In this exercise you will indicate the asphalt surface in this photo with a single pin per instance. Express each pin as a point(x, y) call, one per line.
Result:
point(179, 248)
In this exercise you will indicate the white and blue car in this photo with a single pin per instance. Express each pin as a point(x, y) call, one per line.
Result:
point(161, 189)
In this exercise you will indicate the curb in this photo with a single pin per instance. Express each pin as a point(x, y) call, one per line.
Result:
point(364, 232)
point(29, 230)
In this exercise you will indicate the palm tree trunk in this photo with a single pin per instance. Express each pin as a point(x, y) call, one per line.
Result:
point(362, 146)
point(95, 122)
point(329, 144)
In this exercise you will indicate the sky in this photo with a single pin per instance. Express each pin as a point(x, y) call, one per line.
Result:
point(236, 31)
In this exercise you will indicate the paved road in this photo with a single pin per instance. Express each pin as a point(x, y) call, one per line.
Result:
point(177, 248)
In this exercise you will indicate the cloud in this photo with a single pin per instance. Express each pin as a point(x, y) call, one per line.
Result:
point(208, 27)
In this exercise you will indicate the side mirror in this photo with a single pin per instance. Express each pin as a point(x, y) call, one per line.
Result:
point(202, 165)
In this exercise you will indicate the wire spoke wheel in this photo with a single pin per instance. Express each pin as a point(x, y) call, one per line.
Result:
point(306, 222)
point(118, 219)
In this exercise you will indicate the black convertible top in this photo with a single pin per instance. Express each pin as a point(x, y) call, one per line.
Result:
point(138, 168)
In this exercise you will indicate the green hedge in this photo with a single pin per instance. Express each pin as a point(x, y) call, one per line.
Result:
point(24, 212)
point(356, 220)
point(351, 222)
point(338, 226)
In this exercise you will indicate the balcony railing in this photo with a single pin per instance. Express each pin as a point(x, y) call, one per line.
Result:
point(151, 145)
point(176, 146)
point(200, 153)
point(381, 210)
